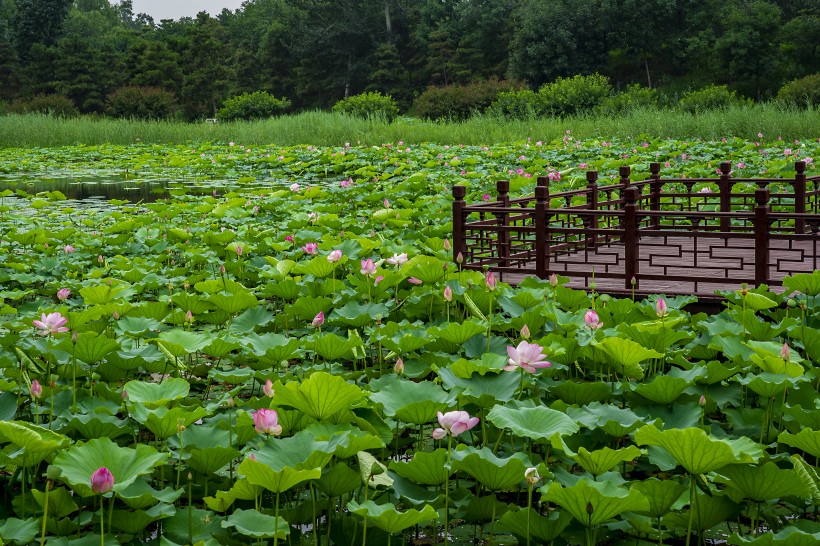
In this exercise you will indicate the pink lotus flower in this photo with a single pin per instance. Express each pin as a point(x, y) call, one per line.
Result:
point(454, 423)
point(486, 197)
point(591, 320)
point(660, 308)
point(448, 293)
point(266, 421)
point(490, 281)
point(289, 238)
point(53, 323)
point(311, 248)
point(527, 356)
point(368, 267)
point(554, 175)
point(268, 388)
point(68, 249)
point(447, 246)
point(100, 259)
point(189, 317)
point(238, 250)
point(414, 280)
point(785, 354)
point(63, 294)
point(345, 183)
point(398, 259)
point(318, 320)
point(102, 481)
point(334, 256)
point(553, 280)
point(294, 187)
point(36, 389)
point(379, 279)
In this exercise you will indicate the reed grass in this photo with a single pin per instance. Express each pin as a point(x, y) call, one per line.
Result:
point(333, 129)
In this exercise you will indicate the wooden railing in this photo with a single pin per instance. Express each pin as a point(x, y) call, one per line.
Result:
point(727, 232)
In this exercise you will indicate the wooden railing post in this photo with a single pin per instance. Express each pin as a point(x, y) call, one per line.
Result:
point(800, 195)
point(459, 233)
point(592, 204)
point(630, 227)
point(655, 192)
point(761, 225)
point(503, 189)
point(541, 235)
point(725, 189)
point(623, 171)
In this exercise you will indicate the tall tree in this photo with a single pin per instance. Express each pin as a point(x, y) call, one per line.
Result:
point(38, 22)
point(207, 73)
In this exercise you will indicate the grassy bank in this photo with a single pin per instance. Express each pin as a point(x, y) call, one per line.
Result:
point(322, 128)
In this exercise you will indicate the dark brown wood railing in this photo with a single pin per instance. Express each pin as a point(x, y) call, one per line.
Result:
point(657, 234)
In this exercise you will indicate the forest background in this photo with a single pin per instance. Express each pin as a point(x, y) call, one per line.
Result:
point(316, 52)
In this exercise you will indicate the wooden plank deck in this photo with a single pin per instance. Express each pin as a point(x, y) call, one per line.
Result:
point(679, 265)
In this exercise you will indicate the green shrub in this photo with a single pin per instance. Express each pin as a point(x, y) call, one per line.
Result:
point(458, 102)
point(141, 103)
point(570, 96)
point(714, 97)
point(370, 104)
point(256, 105)
point(52, 105)
point(803, 93)
point(520, 104)
point(632, 98)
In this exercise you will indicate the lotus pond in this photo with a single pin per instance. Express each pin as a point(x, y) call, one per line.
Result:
point(281, 350)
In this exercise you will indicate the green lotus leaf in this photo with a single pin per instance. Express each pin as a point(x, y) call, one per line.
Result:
point(213, 286)
point(101, 294)
point(613, 420)
point(493, 472)
point(542, 529)
point(803, 533)
point(251, 319)
point(136, 521)
point(33, 443)
point(136, 326)
point(345, 439)
point(234, 303)
point(408, 401)
point(581, 393)
point(402, 339)
point(698, 452)
point(605, 500)
point(90, 347)
point(626, 355)
point(19, 531)
point(78, 463)
point(805, 283)
point(717, 371)
point(358, 315)
point(457, 333)
point(255, 524)
point(146, 356)
point(372, 472)
point(199, 525)
point(242, 489)
point(221, 346)
point(307, 307)
point(98, 425)
point(809, 338)
point(484, 390)
point(164, 422)
point(807, 440)
point(602, 460)
point(258, 473)
point(756, 302)
point(139, 495)
point(762, 483)
point(333, 347)
point(60, 501)
point(339, 480)
point(387, 518)
point(709, 511)
point(188, 301)
point(181, 342)
point(663, 389)
point(154, 395)
point(299, 451)
point(661, 494)
point(425, 468)
point(538, 423)
point(426, 268)
point(320, 396)
point(209, 460)
point(319, 267)
point(271, 348)
point(808, 475)
point(766, 384)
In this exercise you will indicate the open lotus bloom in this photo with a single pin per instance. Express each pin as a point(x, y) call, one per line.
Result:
point(527, 356)
point(454, 423)
point(53, 323)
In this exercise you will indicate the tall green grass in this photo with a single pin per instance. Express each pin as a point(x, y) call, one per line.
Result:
point(324, 128)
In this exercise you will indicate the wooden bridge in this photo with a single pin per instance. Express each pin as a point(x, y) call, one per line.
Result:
point(670, 236)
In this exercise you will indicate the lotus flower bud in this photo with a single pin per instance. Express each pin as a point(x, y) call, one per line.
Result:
point(490, 281)
point(660, 308)
point(531, 476)
point(102, 481)
point(318, 320)
point(268, 388)
point(36, 389)
point(399, 367)
point(525, 332)
point(702, 401)
point(448, 293)
point(553, 280)
point(785, 353)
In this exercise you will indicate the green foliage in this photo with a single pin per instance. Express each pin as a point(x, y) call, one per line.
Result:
point(51, 105)
point(458, 102)
point(562, 98)
point(369, 105)
point(250, 106)
point(632, 98)
point(803, 92)
point(138, 102)
point(714, 97)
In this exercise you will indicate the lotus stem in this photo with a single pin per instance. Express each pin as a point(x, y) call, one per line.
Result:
point(529, 511)
point(45, 514)
point(691, 509)
point(447, 491)
point(102, 523)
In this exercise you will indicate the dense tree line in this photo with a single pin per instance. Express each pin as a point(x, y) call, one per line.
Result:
point(316, 52)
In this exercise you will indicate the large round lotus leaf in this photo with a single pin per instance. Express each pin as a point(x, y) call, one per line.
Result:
point(255, 524)
point(34, 443)
point(537, 423)
point(425, 468)
point(605, 500)
point(542, 529)
point(320, 396)
point(802, 533)
point(258, 473)
point(493, 472)
point(661, 494)
point(78, 463)
point(388, 518)
point(154, 395)
point(763, 483)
